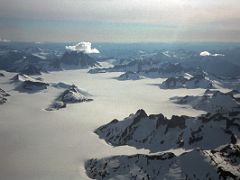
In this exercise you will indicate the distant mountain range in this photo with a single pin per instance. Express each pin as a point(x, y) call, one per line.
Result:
point(36, 59)
point(33, 63)
point(152, 63)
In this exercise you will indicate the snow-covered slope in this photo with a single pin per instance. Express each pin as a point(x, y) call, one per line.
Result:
point(198, 81)
point(211, 101)
point(25, 83)
point(129, 76)
point(157, 133)
point(217, 164)
point(3, 96)
point(22, 78)
point(72, 95)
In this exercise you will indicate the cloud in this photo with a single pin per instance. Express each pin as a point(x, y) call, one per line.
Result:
point(218, 55)
point(206, 53)
point(85, 47)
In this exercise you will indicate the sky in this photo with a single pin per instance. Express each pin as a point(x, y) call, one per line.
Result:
point(120, 20)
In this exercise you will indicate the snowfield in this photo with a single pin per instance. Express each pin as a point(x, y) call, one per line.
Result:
point(54, 145)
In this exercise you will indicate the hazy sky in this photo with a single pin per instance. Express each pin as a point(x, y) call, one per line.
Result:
point(120, 20)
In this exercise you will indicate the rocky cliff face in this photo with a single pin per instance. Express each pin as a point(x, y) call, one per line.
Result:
point(211, 144)
point(77, 59)
point(157, 133)
point(221, 163)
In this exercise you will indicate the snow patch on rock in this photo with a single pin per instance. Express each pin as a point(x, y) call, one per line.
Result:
point(221, 163)
point(72, 95)
point(157, 133)
point(211, 101)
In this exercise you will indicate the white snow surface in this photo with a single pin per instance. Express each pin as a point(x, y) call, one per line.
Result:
point(40, 145)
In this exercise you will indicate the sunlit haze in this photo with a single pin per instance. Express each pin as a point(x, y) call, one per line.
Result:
point(120, 21)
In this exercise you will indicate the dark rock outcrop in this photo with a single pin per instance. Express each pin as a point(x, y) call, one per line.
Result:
point(3, 96)
point(72, 95)
point(220, 163)
point(211, 101)
point(198, 81)
point(129, 76)
point(157, 133)
point(25, 83)
point(78, 59)
point(31, 70)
